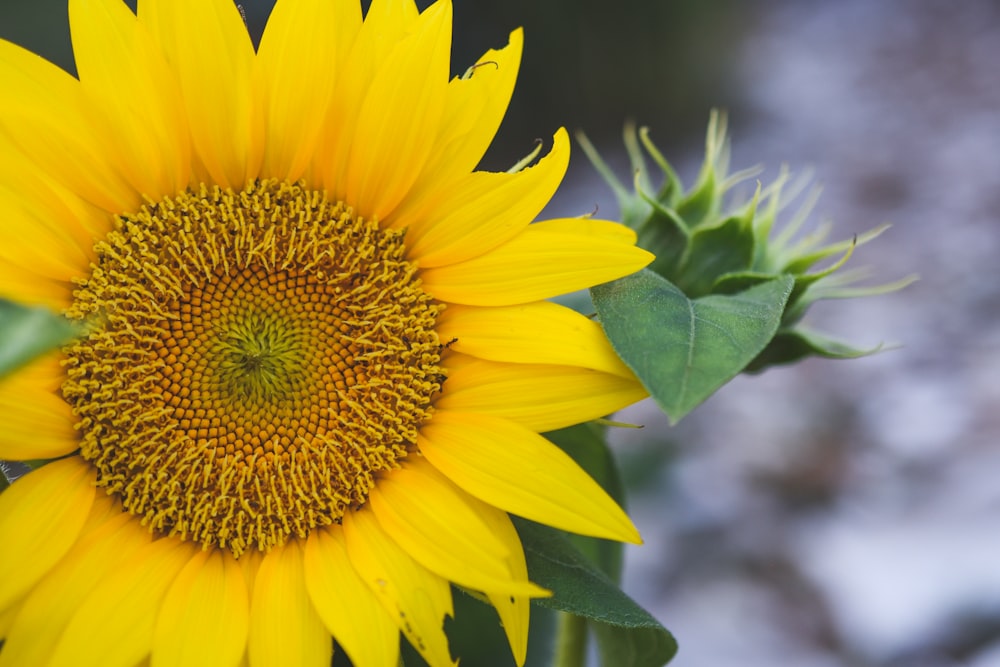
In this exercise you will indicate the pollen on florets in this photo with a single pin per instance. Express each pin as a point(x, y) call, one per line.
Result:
point(263, 355)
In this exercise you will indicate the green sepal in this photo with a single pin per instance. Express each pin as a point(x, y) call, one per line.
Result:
point(28, 332)
point(632, 210)
point(727, 247)
point(703, 202)
point(664, 234)
point(707, 242)
point(672, 189)
point(627, 635)
point(792, 345)
point(682, 349)
point(839, 286)
point(734, 283)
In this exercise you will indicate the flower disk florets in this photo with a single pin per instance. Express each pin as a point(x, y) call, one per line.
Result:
point(261, 357)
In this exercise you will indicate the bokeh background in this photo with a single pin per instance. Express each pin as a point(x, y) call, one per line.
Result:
point(834, 513)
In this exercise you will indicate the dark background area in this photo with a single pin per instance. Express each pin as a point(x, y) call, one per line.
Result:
point(587, 65)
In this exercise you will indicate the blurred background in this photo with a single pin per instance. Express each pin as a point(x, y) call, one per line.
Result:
point(834, 513)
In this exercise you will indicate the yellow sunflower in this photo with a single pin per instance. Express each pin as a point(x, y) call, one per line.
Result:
point(319, 352)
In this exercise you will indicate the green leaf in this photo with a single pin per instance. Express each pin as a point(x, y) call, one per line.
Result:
point(476, 636)
point(683, 350)
point(26, 333)
point(587, 445)
point(627, 635)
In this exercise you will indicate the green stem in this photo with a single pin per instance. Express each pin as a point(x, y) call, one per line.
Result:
point(571, 641)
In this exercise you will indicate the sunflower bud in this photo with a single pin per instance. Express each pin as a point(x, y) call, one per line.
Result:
point(709, 242)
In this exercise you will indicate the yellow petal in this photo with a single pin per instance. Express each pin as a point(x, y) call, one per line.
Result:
point(417, 600)
point(539, 396)
point(347, 25)
point(514, 611)
point(114, 625)
point(40, 212)
point(250, 564)
point(37, 422)
point(389, 19)
point(52, 603)
point(19, 270)
point(474, 108)
point(329, 146)
point(48, 234)
point(60, 265)
point(204, 617)
point(483, 210)
point(297, 62)
point(41, 515)
point(599, 230)
point(207, 46)
point(546, 259)
point(7, 617)
point(30, 289)
point(370, 43)
point(521, 472)
point(46, 114)
point(127, 79)
point(359, 623)
point(532, 333)
point(284, 626)
point(438, 525)
point(399, 116)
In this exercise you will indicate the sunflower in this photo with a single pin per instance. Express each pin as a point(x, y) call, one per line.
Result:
point(318, 353)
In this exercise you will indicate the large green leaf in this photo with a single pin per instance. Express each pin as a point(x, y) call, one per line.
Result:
point(476, 636)
point(26, 333)
point(587, 445)
point(681, 349)
point(627, 635)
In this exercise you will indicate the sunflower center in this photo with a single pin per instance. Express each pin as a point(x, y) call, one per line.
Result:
point(261, 357)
